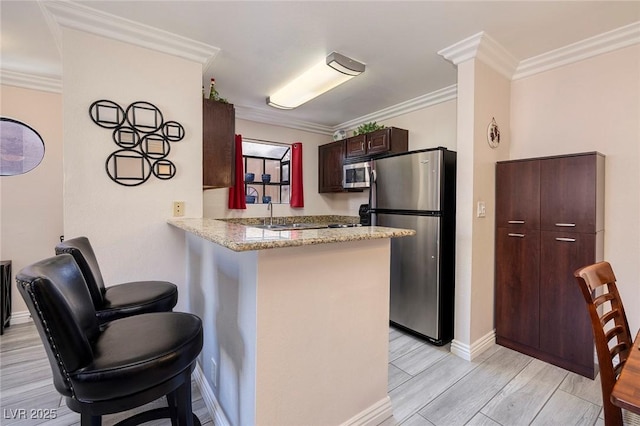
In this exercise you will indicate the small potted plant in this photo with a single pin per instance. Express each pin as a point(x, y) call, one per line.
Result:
point(367, 128)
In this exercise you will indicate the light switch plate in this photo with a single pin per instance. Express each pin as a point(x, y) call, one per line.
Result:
point(481, 210)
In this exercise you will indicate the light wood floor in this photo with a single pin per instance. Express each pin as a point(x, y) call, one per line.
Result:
point(427, 386)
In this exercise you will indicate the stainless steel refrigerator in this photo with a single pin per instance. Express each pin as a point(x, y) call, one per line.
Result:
point(417, 190)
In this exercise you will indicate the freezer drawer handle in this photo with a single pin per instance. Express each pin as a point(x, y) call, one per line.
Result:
point(566, 225)
point(516, 235)
point(568, 240)
point(516, 222)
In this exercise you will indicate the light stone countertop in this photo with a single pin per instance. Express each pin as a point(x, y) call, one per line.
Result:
point(236, 236)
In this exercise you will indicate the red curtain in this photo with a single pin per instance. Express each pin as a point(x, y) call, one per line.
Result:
point(237, 198)
point(297, 192)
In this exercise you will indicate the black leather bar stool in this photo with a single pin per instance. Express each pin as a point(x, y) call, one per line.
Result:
point(124, 364)
point(122, 300)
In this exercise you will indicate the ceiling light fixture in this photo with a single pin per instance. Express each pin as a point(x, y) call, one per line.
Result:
point(320, 78)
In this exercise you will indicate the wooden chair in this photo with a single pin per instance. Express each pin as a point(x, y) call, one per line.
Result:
point(610, 329)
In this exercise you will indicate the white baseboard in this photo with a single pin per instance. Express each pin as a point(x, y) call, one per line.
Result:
point(373, 415)
point(21, 317)
point(210, 400)
point(470, 352)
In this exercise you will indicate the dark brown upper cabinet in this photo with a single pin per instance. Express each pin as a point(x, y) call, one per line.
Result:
point(383, 141)
point(218, 144)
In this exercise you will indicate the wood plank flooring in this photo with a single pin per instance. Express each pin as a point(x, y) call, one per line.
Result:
point(430, 386)
point(427, 385)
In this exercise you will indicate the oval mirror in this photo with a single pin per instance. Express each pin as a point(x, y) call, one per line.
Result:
point(21, 147)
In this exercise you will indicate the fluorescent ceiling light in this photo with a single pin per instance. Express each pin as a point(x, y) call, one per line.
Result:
point(322, 77)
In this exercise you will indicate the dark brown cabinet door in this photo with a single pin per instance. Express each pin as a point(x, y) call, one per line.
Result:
point(356, 146)
point(568, 193)
point(518, 194)
point(387, 140)
point(379, 141)
point(330, 159)
point(218, 144)
point(517, 280)
point(565, 327)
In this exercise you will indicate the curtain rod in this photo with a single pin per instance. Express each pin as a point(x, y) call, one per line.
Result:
point(266, 141)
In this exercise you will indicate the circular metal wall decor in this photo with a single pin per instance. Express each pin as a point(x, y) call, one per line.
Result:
point(126, 137)
point(493, 134)
point(164, 169)
point(107, 114)
point(21, 147)
point(173, 131)
point(144, 117)
point(155, 146)
point(128, 167)
point(144, 137)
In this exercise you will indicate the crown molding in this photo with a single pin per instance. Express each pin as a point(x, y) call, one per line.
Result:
point(415, 104)
point(266, 117)
point(64, 13)
point(30, 81)
point(482, 46)
point(584, 49)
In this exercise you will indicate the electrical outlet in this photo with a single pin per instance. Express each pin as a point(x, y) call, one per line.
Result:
point(214, 373)
point(178, 208)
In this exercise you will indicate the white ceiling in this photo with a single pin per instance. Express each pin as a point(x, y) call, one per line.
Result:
point(263, 44)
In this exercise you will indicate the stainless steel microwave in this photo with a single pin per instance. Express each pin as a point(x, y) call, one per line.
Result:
point(356, 175)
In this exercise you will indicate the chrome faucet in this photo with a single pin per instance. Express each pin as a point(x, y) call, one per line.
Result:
point(270, 208)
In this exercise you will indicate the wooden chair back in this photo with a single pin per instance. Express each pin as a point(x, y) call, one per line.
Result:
point(610, 329)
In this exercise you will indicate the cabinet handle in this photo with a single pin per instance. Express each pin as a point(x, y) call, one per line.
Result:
point(516, 235)
point(566, 225)
point(567, 240)
point(516, 222)
point(369, 144)
point(361, 146)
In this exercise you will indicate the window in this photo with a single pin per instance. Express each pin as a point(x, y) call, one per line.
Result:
point(21, 147)
point(269, 165)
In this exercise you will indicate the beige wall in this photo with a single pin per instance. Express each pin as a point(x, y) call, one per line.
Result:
point(127, 225)
point(483, 94)
point(593, 105)
point(31, 204)
point(429, 127)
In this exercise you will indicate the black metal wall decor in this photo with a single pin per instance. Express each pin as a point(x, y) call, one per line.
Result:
point(144, 138)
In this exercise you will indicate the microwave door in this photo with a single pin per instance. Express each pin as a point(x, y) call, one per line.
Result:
point(356, 175)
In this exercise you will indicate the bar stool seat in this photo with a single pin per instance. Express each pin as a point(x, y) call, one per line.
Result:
point(113, 367)
point(121, 300)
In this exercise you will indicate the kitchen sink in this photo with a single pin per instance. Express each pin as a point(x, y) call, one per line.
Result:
point(290, 226)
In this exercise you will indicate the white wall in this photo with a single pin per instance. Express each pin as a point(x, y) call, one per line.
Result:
point(593, 105)
point(127, 225)
point(31, 204)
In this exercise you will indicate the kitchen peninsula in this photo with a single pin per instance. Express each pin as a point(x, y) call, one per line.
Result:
point(295, 321)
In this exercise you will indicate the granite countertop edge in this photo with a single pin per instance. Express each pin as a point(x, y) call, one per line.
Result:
point(239, 235)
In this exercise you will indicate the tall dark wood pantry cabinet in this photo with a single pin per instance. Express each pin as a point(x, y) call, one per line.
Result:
point(549, 222)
